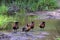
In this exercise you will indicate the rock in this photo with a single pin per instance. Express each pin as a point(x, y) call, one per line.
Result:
point(4, 36)
point(13, 9)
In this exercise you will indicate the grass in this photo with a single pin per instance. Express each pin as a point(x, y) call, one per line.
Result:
point(29, 5)
point(4, 20)
point(50, 24)
point(3, 9)
point(57, 38)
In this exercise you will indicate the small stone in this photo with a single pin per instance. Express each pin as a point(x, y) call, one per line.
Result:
point(0, 37)
point(3, 36)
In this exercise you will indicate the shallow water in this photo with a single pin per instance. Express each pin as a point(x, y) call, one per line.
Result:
point(27, 36)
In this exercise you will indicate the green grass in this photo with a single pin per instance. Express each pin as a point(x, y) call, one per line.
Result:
point(3, 9)
point(6, 22)
point(31, 5)
point(57, 38)
point(51, 24)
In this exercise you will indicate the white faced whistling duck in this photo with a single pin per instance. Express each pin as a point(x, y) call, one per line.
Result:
point(15, 27)
point(32, 25)
point(42, 25)
point(27, 28)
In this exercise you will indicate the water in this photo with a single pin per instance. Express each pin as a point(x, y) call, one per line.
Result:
point(25, 36)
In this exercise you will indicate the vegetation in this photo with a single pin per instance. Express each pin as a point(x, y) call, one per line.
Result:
point(13, 6)
point(30, 5)
point(15, 10)
point(3, 9)
point(51, 24)
point(57, 38)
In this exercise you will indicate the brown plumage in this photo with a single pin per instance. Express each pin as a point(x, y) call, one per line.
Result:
point(15, 27)
point(32, 25)
point(28, 27)
point(42, 25)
